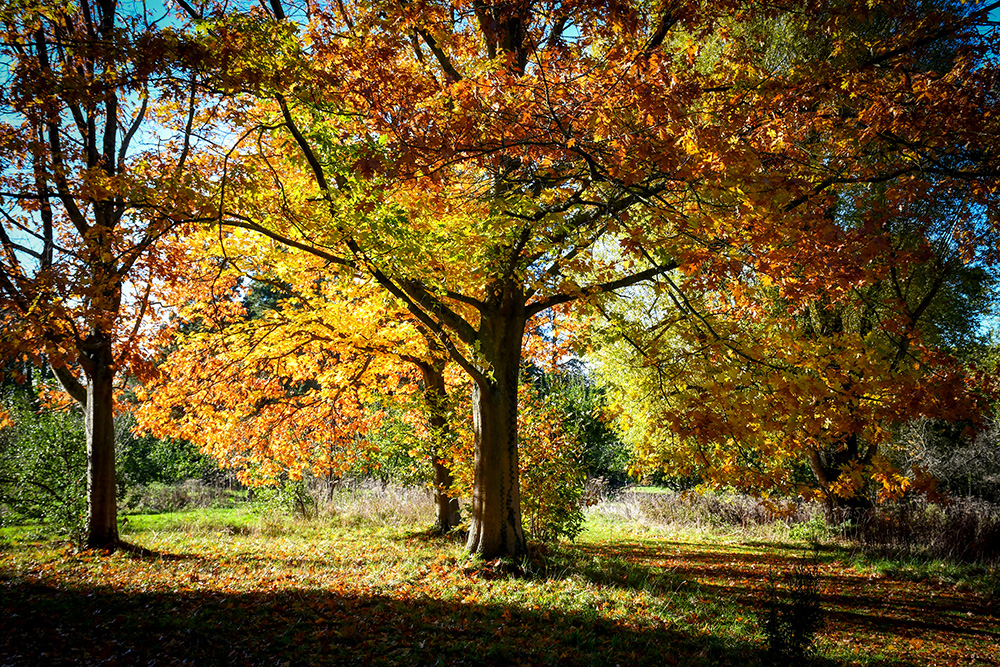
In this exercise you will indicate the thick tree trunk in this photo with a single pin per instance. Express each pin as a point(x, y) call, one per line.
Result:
point(495, 528)
point(102, 507)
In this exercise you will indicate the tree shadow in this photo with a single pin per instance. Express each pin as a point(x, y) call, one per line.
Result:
point(71, 624)
point(142, 553)
point(853, 604)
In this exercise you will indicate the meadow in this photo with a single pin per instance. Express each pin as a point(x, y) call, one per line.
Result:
point(362, 581)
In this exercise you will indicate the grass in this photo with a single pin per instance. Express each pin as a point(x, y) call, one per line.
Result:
point(233, 587)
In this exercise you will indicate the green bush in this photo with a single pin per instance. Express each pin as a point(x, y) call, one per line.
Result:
point(552, 486)
point(43, 468)
point(290, 497)
point(553, 470)
point(142, 460)
point(580, 404)
point(393, 457)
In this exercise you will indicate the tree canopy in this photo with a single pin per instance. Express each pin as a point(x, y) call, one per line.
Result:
point(482, 163)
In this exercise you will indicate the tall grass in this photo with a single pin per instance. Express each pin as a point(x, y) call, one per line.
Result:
point(961, 530)
point(964, 530)
point(709, 512)
point(368, 502)
point(156, 497)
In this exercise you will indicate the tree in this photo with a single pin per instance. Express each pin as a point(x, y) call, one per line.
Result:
point(768, 370)
point(293, 375)
point(296, 374)
point(749, 389)
point(96, 137)
point(500, 159)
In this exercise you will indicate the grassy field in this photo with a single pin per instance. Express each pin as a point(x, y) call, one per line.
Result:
point(228, 587)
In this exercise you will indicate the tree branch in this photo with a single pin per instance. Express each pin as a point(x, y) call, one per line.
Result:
point(73, 387)
point(440, 55)
point(599, 288)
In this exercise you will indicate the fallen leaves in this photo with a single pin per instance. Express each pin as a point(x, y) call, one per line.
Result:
point(318, 594)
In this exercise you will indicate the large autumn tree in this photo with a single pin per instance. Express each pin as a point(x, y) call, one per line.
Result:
point(486, 161)
point(97, 119)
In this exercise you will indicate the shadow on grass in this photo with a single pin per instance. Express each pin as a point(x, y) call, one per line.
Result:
point(142, 553)
point(96, 625)
point(849, 601)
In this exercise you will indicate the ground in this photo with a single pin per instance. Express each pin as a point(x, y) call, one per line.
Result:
point(232, 588)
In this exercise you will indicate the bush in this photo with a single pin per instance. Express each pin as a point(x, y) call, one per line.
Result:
point(286, 497)
point(791, 615)
point(43, 468)
point(580, 403)
point(552, 469)
point(814, 530)
point(143, 460)
point(395, 455)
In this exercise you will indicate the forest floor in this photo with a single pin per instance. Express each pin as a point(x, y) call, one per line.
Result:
point(227, 587)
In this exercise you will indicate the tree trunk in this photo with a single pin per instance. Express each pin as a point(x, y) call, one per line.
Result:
point(102, 506)
point(448, 515)
point(436, 398)
point(495, 528)
point(849, 513)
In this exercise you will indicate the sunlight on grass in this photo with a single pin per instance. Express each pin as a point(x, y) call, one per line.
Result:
point(306, 590)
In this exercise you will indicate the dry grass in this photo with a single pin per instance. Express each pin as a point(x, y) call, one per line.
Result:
point(374, 504)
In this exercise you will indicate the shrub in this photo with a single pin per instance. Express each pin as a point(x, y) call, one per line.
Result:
point(814, 530)
point(144, 459)
point(553, 471)
point(580, 403)
point(790, 615)
point(964, 530)
point(43, 468)
point(286, 497)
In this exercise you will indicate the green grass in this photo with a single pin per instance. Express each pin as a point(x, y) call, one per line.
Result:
point(234, 587)
point(979, 578)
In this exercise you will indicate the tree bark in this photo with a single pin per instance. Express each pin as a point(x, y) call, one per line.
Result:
point(495, 529)
point(102, 506)
point(448, 515)
point(436, 398)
